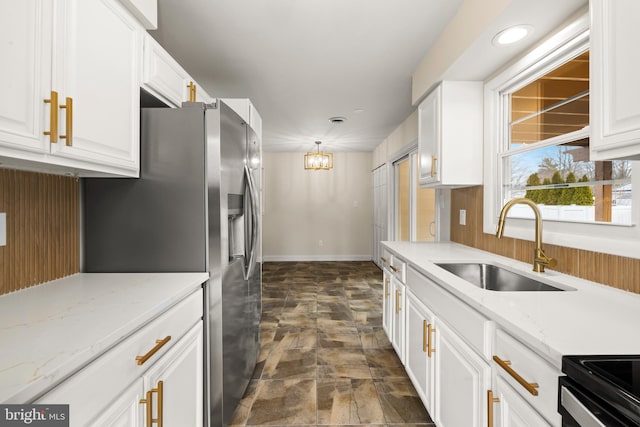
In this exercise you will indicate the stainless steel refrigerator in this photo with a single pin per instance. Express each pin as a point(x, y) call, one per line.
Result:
point(195, 207)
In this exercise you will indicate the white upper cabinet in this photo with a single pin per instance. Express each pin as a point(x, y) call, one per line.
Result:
point(165, 79)
point(245, 109)
point(450, 135)
point(614, 84)
point(88, 53)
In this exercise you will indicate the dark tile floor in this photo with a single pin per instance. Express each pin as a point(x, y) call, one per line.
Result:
point(325, 359)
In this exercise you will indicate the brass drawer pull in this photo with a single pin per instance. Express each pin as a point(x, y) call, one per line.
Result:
point(490, 401)
point(398, 302)
point(383, 259)
point(53, 117)
point(433, 165)
point(68, 121)
point(395, 270)
point(430, 331)
point(158, 346)
point(192, 92)
point(386, 287)
point(504, 364)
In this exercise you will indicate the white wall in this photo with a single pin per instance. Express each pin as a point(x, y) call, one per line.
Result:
point(303, 207)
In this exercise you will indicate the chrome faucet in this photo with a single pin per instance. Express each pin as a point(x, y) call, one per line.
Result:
point(540, 259)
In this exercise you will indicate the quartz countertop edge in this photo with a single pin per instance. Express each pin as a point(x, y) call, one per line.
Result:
point(592, 319)
point(48, 331)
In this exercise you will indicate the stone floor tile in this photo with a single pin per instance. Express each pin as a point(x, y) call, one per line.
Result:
point(348, 401)
point(284, 402)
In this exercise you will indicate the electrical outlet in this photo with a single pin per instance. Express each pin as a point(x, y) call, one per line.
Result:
point(3, 229)
point(463, 217)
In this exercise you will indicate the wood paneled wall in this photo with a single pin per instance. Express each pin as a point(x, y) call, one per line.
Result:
point(42, 213)
point(616, 271)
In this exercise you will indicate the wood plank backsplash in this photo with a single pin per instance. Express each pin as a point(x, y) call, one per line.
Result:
point(616, 271)
point(42, 213)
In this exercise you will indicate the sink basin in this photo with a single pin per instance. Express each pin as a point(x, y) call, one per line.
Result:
point(495, 278)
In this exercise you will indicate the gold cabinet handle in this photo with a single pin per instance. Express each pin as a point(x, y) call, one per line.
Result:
point(490, 401)
point(433, 165)
point(398, 308)
point(395, 270)
point(430, 331)
point(383, 259)
point(504, 364)
point(386, 287)
point(425, 339)
point(68, 121)
point(149, 405)
point(53, 117)
point(192, 92)
point(158, 346)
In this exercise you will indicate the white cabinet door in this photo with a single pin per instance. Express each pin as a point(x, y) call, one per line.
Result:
point(162, 76)
point(462, 379)
point(97, 64)
point(126, 411)
point(429, 137)
point(176, 382)
point(513, 410)
point(614, 83)
point(25, 74)
point(387, 305)
point(450, 135)
point(398, 316)
point(419, 359)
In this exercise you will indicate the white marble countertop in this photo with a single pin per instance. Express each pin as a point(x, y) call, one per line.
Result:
point(592, 319)
point(48, 331)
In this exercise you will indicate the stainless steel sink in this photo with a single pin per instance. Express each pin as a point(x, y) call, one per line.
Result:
point(496, 278)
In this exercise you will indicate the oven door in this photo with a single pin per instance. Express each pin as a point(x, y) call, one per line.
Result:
point(581, 408)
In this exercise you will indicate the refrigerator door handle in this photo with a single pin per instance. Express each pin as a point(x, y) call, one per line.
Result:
point(254, 223)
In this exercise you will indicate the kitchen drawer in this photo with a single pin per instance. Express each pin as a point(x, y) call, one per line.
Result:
point(532, 369)
point(99, 383)
point(399, 268)
point(472, 326)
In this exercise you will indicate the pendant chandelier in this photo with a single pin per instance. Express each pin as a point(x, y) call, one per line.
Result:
point(318, 160)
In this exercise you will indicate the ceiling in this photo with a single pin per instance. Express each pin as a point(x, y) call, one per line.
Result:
point(304, 61)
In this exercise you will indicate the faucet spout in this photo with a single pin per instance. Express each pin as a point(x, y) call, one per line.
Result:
point(540, 259)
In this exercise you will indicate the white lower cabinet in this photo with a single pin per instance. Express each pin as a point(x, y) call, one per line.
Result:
point(419, 357)
point(156, 373)
point(511, 410)
point(462, 379)
point(387, 306)
point(398, 317)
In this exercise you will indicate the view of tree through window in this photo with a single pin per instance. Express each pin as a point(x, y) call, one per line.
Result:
point(547, 156)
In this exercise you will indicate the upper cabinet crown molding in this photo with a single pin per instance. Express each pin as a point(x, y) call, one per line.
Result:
point(614, 84)
point(145, 10)
point(450, 135)
point(92, 68)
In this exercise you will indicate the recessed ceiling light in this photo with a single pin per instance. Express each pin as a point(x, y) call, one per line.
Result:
point(511, 35)
point(337, 119)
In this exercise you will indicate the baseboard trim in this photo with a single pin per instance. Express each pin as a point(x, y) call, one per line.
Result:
point(305, 258)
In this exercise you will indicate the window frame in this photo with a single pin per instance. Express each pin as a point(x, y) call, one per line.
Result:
point(599, 237)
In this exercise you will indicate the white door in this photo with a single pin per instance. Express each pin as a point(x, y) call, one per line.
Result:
point(420, 328)
point(462, 380)
point(429, 137)
point(97, 65)
point(126, 411)
point(398, 301)
point(513, 410)
point(25, 74)
point(614, 83)
point(178, 378)
point(387, 305)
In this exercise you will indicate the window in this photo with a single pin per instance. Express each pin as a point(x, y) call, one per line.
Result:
point(537, 146)
point(414, 206)
point(545, 153)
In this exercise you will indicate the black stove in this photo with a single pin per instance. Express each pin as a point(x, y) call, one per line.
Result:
point(600, 391)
